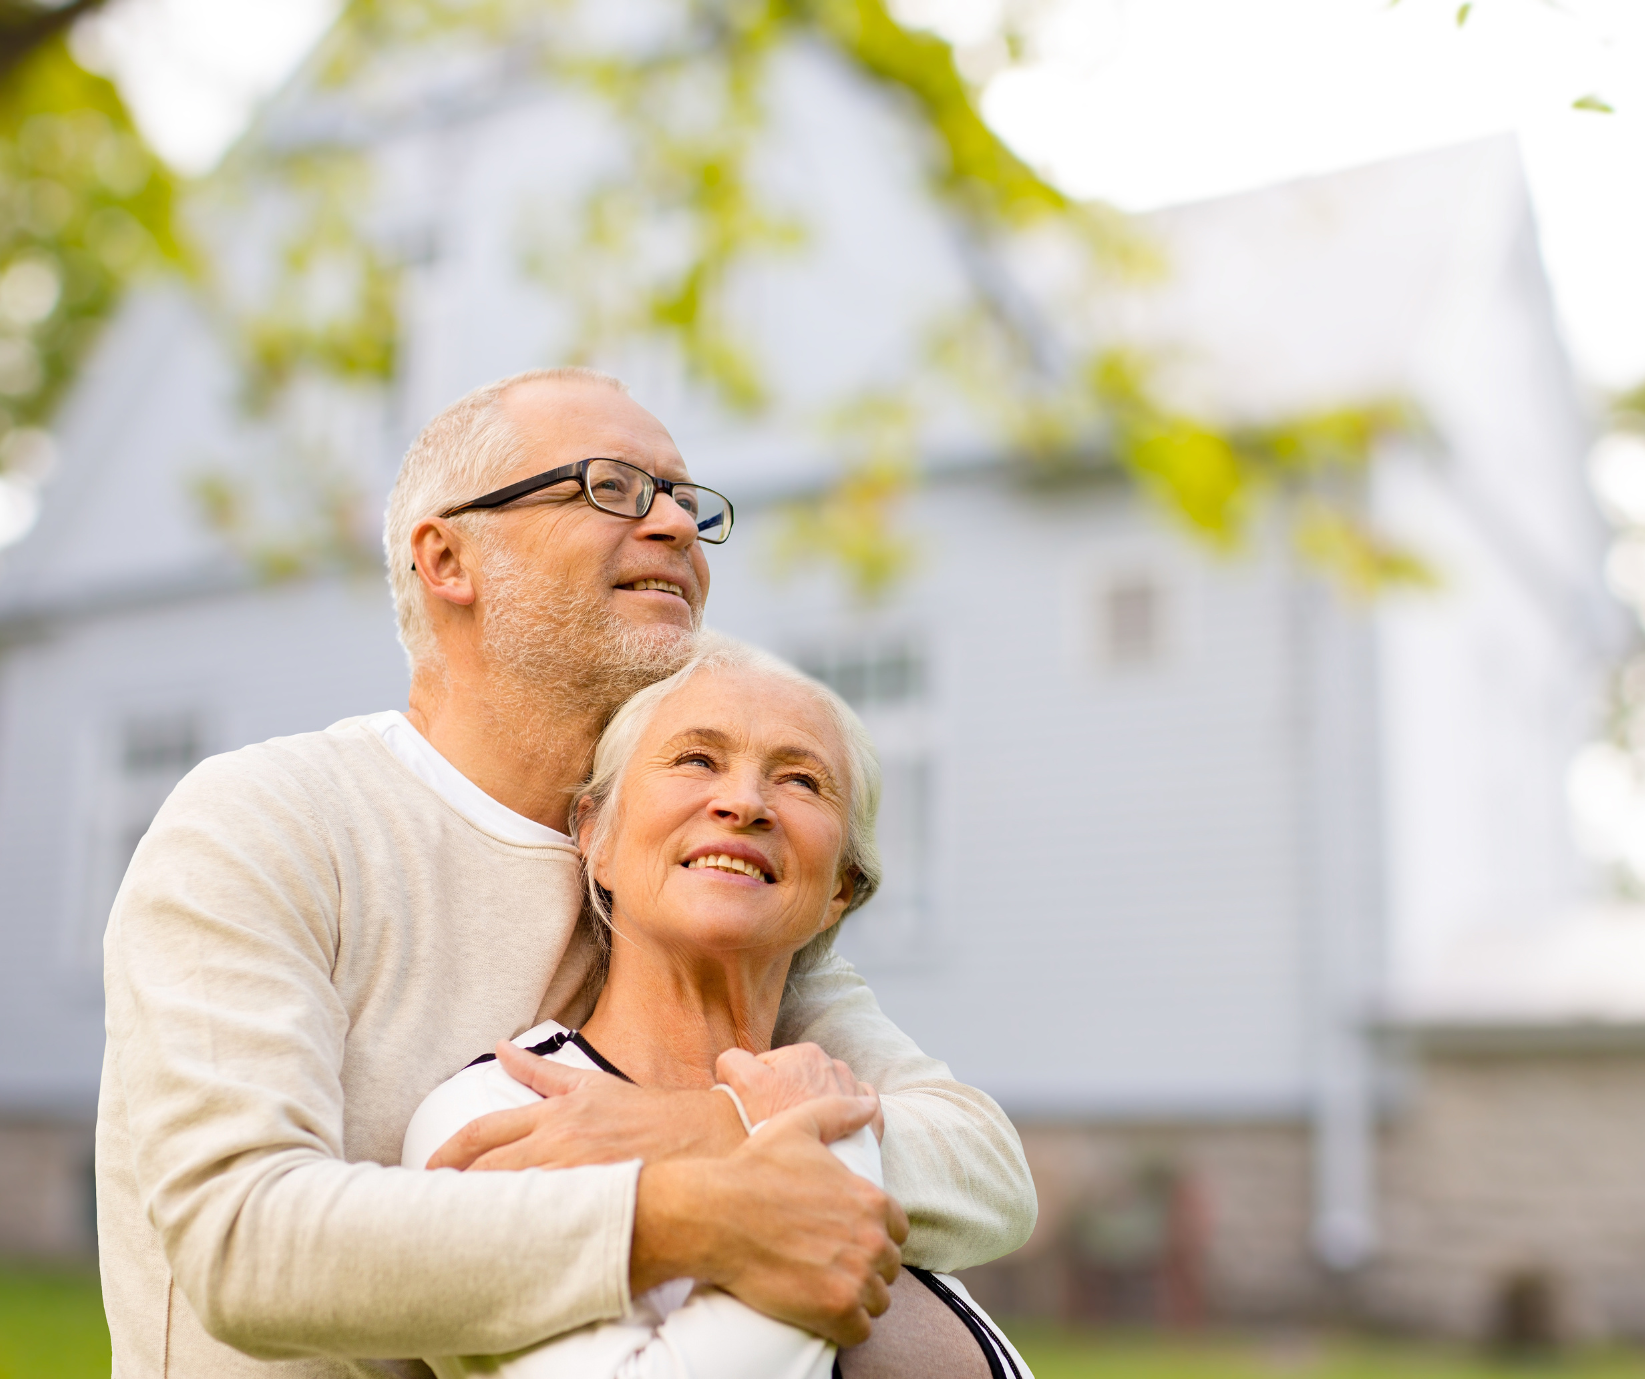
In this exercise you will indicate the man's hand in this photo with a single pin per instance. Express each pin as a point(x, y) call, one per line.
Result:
point(780, 1223)
point(784, 1078)
point(590, 1117)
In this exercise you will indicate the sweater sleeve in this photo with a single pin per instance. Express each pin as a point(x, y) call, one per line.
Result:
point(708, 1333)
point(226, 1041)
point(950, 1155)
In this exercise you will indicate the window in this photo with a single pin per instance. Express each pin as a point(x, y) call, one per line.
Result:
point(143, 758)
point(891, 928)
point(1131, 620)
point(885, 680)
point(869, 677)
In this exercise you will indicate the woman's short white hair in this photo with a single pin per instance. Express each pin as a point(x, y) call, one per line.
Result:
point(463, 452)
point(597, 803)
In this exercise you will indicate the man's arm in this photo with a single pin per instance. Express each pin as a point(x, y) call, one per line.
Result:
point(951, 1157)
point(226, 1040)
point(775, 1218)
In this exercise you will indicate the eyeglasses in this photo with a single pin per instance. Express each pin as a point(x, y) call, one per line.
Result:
point(622, 489)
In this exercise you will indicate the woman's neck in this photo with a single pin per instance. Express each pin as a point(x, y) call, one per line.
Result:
point(664, 1018)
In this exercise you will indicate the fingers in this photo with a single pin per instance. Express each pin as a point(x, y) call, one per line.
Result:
point(829, 1118)
point(867, 1089)
point(850, 1330)
point(738, 1067)
point(486, 1133)
point(896, 1225)
point(543, 1077)
point(810, 1067)
point(877, 1294)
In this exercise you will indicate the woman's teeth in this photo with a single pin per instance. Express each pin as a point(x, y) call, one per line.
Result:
point(724, 863)
point(662, 584)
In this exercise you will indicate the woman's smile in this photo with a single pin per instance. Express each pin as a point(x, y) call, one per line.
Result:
point(732, 860)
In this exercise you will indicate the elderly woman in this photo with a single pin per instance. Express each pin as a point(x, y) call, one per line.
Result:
point(727, 828)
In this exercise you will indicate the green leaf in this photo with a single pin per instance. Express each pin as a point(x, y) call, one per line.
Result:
point(1593, 102)
point(1462, 13)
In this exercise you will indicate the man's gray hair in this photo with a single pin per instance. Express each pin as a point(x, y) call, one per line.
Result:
point(463, 452)
point(597, 803)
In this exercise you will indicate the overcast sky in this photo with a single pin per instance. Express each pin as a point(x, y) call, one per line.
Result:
point(1149, 103)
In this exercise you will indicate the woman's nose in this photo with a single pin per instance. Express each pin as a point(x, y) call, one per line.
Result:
point(741, 803)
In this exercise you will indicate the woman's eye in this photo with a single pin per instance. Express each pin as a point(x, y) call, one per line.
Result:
point(696, 759)
point(809, 782)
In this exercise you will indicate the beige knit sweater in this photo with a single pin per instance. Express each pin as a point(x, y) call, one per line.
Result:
point(308, 941)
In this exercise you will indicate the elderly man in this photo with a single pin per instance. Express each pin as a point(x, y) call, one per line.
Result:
point(319, 929)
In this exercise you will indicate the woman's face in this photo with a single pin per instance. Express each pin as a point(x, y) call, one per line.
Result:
point(733, 821)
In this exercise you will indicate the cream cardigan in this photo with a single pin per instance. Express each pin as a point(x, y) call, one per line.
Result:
point(308, 941)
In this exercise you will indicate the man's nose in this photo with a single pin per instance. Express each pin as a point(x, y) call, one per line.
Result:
point(668, 521)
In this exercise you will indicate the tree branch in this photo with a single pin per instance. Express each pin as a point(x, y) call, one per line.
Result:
point(25, 27)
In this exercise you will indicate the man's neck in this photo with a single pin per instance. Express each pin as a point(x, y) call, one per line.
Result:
point(526, 752)
point(664, 1019)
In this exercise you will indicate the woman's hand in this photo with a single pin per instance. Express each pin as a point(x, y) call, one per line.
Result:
point(781, 1079)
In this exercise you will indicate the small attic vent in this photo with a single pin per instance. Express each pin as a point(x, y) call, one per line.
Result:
point(1131, 616)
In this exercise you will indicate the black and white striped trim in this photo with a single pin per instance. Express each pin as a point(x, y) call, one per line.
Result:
point(1000, 1363)
point(555, 1042)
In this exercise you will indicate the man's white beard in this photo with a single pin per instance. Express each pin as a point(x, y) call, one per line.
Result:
point(563, 648)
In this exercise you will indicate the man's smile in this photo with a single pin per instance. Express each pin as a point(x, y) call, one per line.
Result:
point(664, 585)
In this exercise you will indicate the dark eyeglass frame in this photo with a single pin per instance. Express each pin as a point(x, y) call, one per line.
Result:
point(565, 473)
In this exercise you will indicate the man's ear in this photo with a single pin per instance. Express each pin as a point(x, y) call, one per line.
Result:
point(840, 899)
point(442, 560)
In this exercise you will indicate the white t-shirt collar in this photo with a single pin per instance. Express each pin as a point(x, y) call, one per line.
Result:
point(417, 753)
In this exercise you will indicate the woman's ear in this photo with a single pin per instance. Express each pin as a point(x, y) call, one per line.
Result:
point(585, 836)
point(840, 900)
point(583, 824)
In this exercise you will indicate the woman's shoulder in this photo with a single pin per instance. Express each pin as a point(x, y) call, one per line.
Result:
point(481, 1088)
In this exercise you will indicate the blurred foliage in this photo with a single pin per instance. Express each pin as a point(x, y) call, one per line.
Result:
point(320, 303)
point(853, 523)
point(1592, 101)
point(336, 311)
point(323, 522)
point(85, 208)
point(1211, 478)
point(1628, 408)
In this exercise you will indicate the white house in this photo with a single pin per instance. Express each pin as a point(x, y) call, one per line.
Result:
point(1167, 832)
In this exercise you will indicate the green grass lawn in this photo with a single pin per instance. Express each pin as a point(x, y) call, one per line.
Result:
point(51, 1327)
point(1059, 1353)
point(51, 1324)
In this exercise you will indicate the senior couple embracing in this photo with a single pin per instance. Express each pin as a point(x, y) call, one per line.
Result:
point(573, 912)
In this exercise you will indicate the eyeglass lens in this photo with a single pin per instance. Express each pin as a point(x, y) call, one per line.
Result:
point(627, 491)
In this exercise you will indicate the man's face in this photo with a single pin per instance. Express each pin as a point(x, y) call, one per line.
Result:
point(608, 565)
